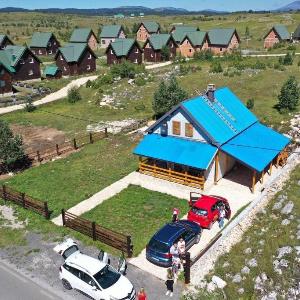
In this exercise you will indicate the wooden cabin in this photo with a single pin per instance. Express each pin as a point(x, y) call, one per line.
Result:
point(124, 49)
point(146, 29)
point(75, 59)
point(5, 41)
point(44, 43)
point(276, 34)
point(110, 33)
point(154, 45)
point(85, 35)
point(5, 79)
point(193, 42)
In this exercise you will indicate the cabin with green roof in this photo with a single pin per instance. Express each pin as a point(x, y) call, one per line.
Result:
point(276, 34)
point(146, 29)
point(223, 40)
point(193, 42)
point(75, 59)
point(179, 32)
point(52, 72)
point(85, 35)
point(44, 43)
point(21, 63)
point(5, 41)
point(110, 33)
point(154, 47)
point(124, 49)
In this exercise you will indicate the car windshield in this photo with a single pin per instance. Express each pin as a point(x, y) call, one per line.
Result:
point(199, 211)
point(158, 246)
point(107, 277)
point(70, 251)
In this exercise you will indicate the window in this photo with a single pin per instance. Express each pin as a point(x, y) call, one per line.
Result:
point(2, 72)
point(136, 50)
point(189, 130)
point(2, 83)
point(190, 50)
point(22, 61)
point(49, 44)
point(90, 56)
point(107, 277)
point(176, 128)
point(40, 52)
point(136, 61)
point(54, 43)
point(88, 67)
point(87, 279)
point(30, 73)
point(172, 45)
point(65, 69)
point(111, 52)
point(103, 42)
point(152, 55)
point(72, 270)
point(221, 49)
point(31, 61)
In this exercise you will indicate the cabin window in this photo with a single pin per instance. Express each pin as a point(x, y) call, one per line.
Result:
point(61, 57)
point(191, 50)
point(152, 55)
point(65, 69)
point(221, 49)
point(90, 56)
point(136, 61)
point(111, 52)
point(176, 127)
point(31, 61)
point(50, 51)
point(172, 45)
point(22, 61)
point(49, 44)
point(103, 42)
point(136, 50)
point(189, 130)
point(40, 52)
point(2, 72)
point(30, 73)
point(2, 83)
point(54, 43)
point(88, 67)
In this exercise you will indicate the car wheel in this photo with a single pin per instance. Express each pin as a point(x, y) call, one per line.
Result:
point(66, 284)
point(197, 239)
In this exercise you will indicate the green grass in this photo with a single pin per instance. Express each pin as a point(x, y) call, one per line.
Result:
point(275, 236)
point(138, 212)
point(66, 182)
point(11, 237)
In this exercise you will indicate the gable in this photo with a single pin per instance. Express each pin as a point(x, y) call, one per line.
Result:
point(122, 47)
point(82, 35)
point(222, 36)
point(150, 26)
point(41, 39)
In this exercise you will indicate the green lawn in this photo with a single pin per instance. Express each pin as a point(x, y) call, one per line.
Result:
point(137, 212)
point(266, 227)
point(66, 182)
point(11, 237)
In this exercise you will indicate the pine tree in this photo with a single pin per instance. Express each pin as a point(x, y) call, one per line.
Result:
point(289, 94)
point(165, 53)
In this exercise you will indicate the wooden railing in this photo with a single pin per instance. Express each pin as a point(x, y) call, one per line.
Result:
point(98, 233)
point(171, 175)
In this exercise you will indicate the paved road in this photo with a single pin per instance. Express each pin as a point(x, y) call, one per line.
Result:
point(17, 286)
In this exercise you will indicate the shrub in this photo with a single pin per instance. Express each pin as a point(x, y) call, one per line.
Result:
point(88, 84)
point(250, 103)
point(106, 79)
point(259, 65)
point(203, 55)
point(140, 81)
point(216, 67)
point(73, 95)
point(289, 95)
point(291, 48)
point(165, 53)
point(287, 60)
point(29, 106)
point(123, 70)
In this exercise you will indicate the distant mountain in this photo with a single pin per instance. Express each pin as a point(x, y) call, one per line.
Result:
point(290, 7)
point(126, 10)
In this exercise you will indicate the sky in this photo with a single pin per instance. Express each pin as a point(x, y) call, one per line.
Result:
point(224, 5)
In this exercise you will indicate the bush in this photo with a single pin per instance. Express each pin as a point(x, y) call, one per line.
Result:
point(29, 106)
point(250, 103)
point(291, 48)
point(259, 65)
point(279, 67)
point(88, 84)
point(73, 95)
point(203, 55)
point(287, 60)
point(124, 70)
point(105, 79)
point(140, 81)
point(216, 67)
point(289, 95)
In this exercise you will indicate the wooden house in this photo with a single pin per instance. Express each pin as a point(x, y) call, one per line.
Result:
point(276, 34)
point(110, 33)
point(44, 43)
point(124, 49)
point(52, 72)
point(146, 29)
point(180, 31)
point(193, 42)
point(85, 35)
point(5, 41)
point(5, 79)
point(75, 59)
point(222, 40)
point(154, 45)
point(296, 34)
point(25, 65)
point(204, 138)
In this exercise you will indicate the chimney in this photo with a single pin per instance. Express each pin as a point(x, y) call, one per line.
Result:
point(210, 92)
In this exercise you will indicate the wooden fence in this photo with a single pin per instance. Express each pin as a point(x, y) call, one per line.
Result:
point(98, 233)
point(68, 146)
point(40, 207)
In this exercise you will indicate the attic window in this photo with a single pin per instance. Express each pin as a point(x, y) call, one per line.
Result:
point(50, 51)
point(189, 130)
point(136, 50)
point(176, 127)
point(61, 57)
point(221, 49)
point(22, 61)
point(111, 52)
point(31, 61)
point(40, 52)
point(90, 56)
point(172, 45)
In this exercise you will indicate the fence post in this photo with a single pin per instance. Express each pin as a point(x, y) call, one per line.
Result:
point(23, 200)
point(63, 217)
point(94, 231)
point(129, 248)
point(47, 214)
point(74, 143)
point(57, 149)
point(91, 138)
point(105, 132)
point(38, 156)
point(187, 268)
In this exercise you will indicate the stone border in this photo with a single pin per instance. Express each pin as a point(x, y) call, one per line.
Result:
point(233, 233)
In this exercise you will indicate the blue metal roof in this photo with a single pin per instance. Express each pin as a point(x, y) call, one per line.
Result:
point(221, 119)
point(176, 150)
point(257, 146)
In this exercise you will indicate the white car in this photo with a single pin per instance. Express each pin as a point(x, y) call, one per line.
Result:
point(91, 276)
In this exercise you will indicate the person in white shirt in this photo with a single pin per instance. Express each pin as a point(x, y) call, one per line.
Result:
point(222, 214)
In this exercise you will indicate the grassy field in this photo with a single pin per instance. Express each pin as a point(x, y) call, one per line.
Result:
point(62, 25)
point(137, 212)
point(264, 237)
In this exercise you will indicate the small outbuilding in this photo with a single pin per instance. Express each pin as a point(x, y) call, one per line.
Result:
point(5, 41)
point(276, 34)
point(124, 49)
point(146, 29)
point(85, 35)
point(44, 43)
point(110, 33)
point(52, 72)
point(154, 46)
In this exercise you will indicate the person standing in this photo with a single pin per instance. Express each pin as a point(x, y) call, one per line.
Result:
point(142, 295)
point(222, 214)
point(169, 282)
point(175, 214)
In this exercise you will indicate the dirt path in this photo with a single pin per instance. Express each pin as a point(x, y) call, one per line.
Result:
point(52, 97)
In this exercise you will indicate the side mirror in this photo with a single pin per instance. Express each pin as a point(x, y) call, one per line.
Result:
point(122, 265)
point(103, 256)
point(94, 288)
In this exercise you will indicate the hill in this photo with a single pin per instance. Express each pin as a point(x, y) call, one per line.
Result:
point(290, 7)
